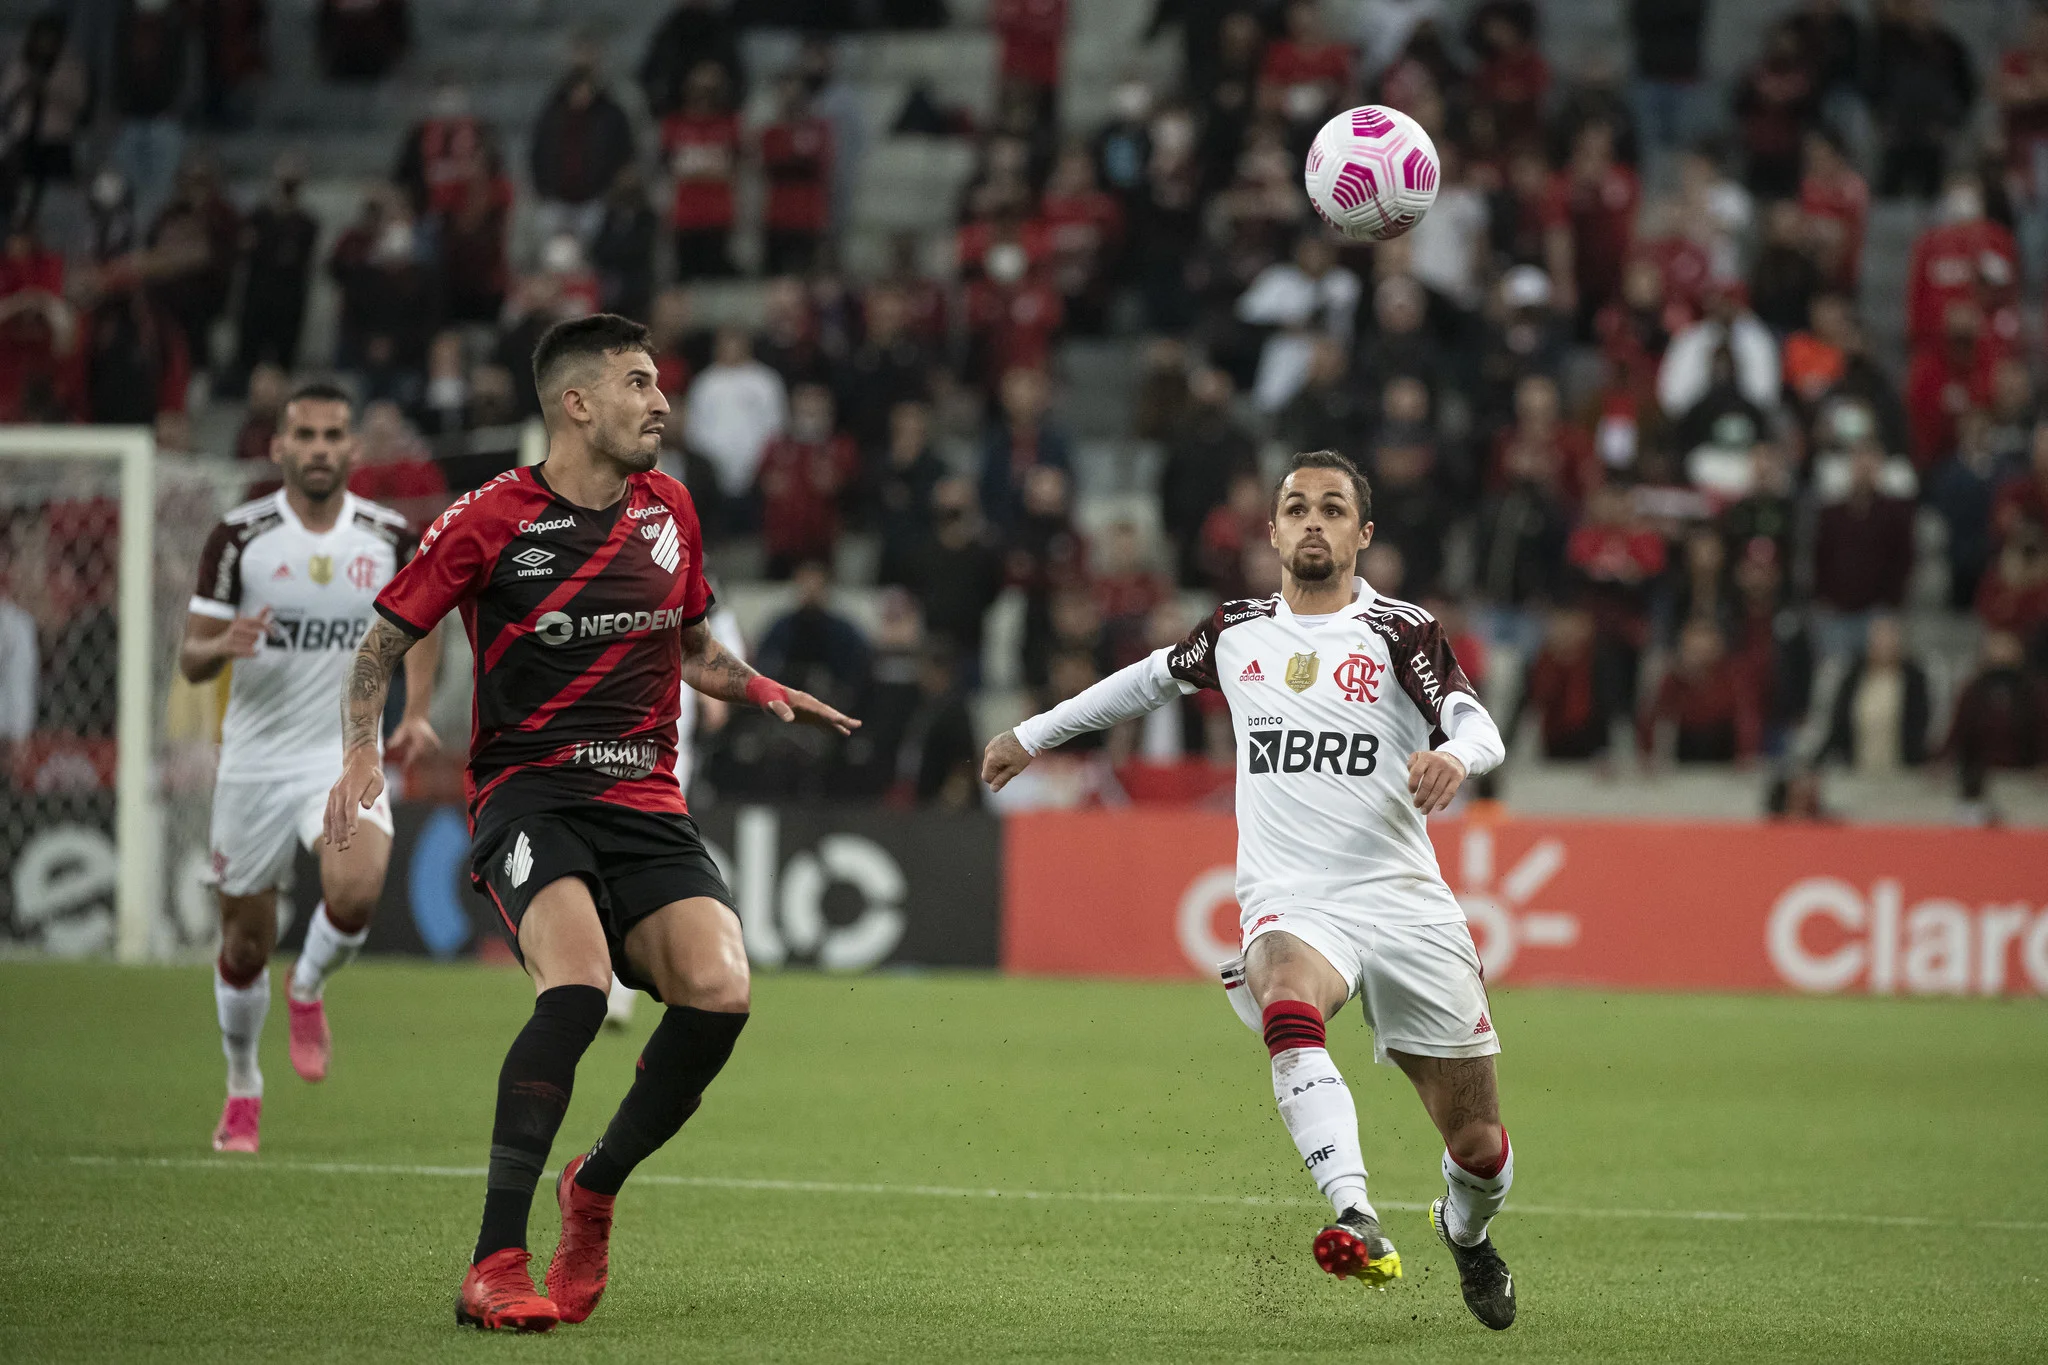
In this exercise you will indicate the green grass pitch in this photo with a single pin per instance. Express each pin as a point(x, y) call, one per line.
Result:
point(1889, 1154)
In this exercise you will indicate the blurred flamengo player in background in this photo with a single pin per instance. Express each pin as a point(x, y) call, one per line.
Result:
point(1354, 723)
point(286, 585)
point(581, 584)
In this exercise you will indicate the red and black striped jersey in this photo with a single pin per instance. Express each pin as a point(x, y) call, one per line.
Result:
point(575, 618)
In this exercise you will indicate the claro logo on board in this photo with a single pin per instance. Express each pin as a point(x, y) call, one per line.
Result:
point(1826, 935)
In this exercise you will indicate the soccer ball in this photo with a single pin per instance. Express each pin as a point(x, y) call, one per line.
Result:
point(1372, 173)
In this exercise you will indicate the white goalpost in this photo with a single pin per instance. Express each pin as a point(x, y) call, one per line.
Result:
point(42, 470)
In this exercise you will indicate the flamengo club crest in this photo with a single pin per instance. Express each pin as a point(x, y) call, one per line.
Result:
point(362, 572)
point(1301, 671)
point(1358, 677)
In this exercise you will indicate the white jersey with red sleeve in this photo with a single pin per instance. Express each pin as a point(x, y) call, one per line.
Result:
point(1326, 711)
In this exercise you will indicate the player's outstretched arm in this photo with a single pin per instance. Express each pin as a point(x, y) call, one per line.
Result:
point(715, 671)
point(210, 643)
point(1126, 694)
point(362, 713)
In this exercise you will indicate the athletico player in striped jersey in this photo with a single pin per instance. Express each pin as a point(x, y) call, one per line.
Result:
point(581, 584)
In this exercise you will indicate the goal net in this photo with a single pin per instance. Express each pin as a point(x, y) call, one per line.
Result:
point(106, 754)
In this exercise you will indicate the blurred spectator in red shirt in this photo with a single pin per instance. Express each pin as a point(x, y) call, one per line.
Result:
point(1540, 445)
point(2024, 497)
point(1304, 76)
point(1086, 225)
point(1536, 229)
point(1512, 78)
point(1967, 257)
point(1682, 261)
point(701, 142)
point(394, 466)
point(1863, 545)
point(40, 375)
point(804, 473)
point(1772, 645)
point(1012, 317)
point(1836, 201)
point(2013, 594)
point(439, 150)
point(1775, 103)
point(268, 387)
point(1239, 523)
point(473, 223)
point(1032, 33)
point(1127, 591)
point(1705, 699)
point(1601, 196)
point(1948, 377)
point(796, 159)
point(1615, 558)
point(361, 40)
point(2001, 717)
point(390, 289)
point(1635, 328)
point(1562, 688)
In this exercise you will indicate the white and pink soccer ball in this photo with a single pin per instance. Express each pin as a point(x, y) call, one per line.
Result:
point(1372, 173)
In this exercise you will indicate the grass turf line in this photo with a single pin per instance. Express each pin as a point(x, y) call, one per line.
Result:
point(1775, 1107)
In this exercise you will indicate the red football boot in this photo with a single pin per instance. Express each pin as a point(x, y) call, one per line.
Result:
point(582, 1263)
point(240, 1120)
point(497, 1292)
point(312, 1043)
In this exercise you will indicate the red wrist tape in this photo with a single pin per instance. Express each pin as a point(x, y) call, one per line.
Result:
point(761, 691)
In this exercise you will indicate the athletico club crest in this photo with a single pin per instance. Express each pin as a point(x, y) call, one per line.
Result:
point(1301, 671)
point(1358, 677)
point(320, 568)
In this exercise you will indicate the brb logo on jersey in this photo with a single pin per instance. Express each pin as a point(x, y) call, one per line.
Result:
point(1358, 678)
point(288, 630)
point(1300, 751)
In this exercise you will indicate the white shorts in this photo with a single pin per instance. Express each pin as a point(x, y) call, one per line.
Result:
point(256, 824)
point(1419, 984)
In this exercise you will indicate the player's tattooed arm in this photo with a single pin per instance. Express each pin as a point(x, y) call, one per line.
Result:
point(715, 671)
point(362, 711)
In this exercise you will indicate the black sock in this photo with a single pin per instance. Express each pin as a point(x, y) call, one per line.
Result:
point(533, 1094)
point(688, 1048)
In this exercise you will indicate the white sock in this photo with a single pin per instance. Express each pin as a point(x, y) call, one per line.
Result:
point(618, 1004)
point(327, 951)
point(1316, 1106)
point(1475, 1199)
point(241, 1010)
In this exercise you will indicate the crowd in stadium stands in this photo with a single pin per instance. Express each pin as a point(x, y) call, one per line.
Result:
point(1614, 391)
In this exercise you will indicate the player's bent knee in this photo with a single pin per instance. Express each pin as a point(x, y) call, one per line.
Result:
point(716, 988)
point(1475, 1145)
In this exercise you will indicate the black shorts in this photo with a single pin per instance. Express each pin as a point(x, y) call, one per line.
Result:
point(633, 861)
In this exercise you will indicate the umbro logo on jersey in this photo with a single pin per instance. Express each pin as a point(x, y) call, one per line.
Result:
point(535, 562)
point(1251, 673)
point(519, 862)
point(668, 546)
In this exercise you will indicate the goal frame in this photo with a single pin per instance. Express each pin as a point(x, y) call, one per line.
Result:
point(137, 888)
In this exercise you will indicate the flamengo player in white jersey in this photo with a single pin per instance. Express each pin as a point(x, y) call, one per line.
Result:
point(286, 585)
point(1354, 723)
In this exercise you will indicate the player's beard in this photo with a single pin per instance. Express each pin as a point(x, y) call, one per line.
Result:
point(628, 454)
point(1304, 569)
point(316, 485)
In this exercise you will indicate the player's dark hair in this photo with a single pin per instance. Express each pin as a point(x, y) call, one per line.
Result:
point(588, 338)
point(1329, 459)
point(321, 391)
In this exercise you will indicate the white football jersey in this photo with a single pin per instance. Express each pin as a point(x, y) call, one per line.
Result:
point(284, 704)
point(1327, 711)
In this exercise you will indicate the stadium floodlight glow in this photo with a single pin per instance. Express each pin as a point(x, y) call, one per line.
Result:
point(137, 888)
